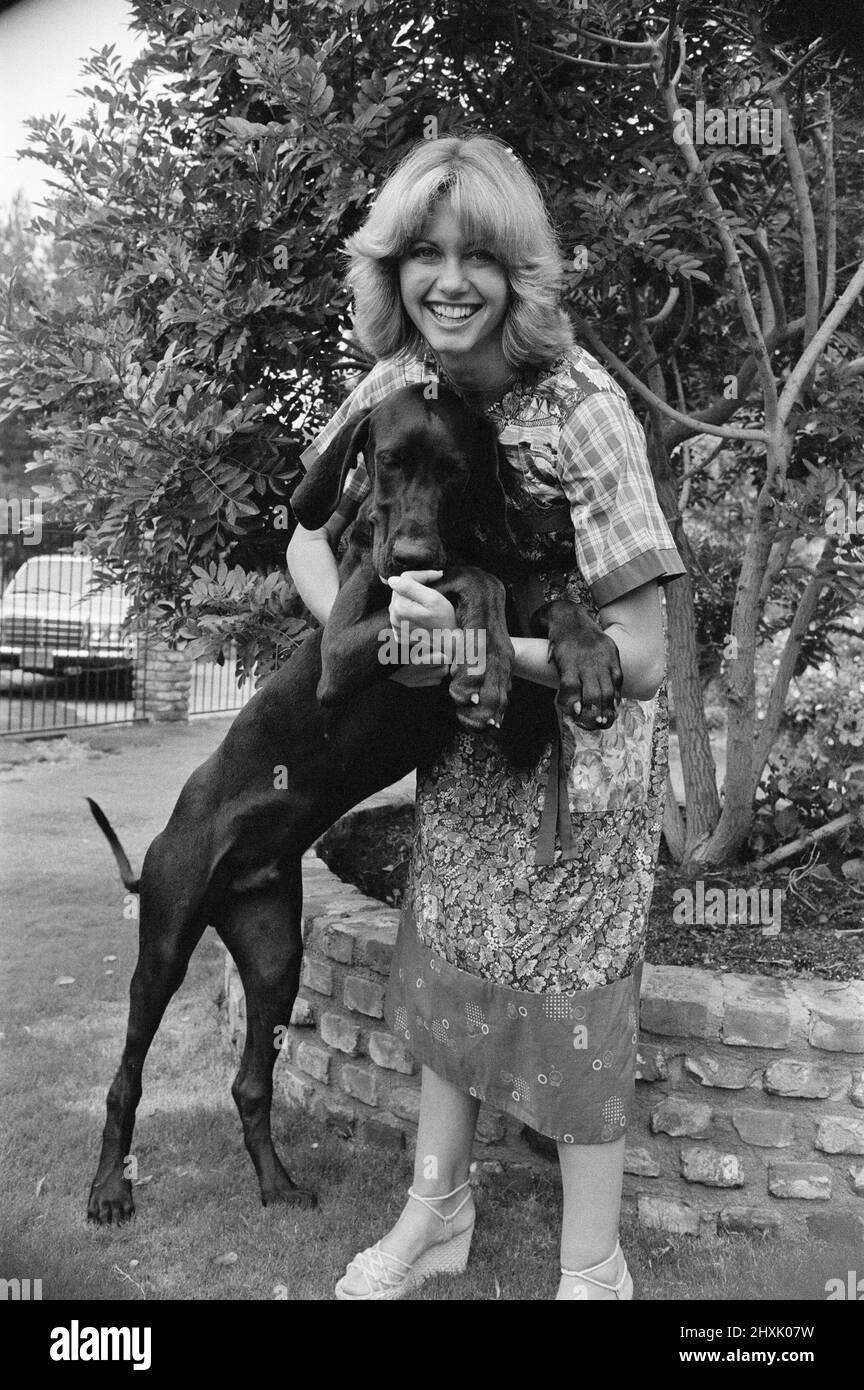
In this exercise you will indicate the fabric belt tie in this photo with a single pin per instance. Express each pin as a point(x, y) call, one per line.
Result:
point(527, 594)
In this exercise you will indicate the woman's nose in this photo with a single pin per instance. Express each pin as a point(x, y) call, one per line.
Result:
point(451, 276)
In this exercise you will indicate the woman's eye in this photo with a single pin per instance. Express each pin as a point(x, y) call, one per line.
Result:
point(480, 254)
point(422, 252)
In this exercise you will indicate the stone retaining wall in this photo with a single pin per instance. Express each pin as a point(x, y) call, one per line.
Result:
point(750, 1098)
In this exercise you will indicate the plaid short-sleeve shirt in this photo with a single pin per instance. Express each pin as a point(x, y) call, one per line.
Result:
point(568, 433)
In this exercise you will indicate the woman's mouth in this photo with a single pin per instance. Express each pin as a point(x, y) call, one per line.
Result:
point(451, 315)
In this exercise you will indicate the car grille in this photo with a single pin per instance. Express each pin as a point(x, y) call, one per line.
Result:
point(42, 632)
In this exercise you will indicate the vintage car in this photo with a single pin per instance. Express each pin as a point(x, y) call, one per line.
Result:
point(54, 620)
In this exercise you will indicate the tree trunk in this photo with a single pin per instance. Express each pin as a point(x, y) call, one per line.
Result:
point(702, 803)
point(742, 770)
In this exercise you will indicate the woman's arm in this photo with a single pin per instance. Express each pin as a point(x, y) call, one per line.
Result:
point(635, 624)
point(312, 565)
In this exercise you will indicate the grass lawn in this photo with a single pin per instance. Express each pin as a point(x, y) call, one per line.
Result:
point(200, 1232)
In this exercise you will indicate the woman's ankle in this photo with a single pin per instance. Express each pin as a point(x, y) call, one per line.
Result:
point(597, 1258)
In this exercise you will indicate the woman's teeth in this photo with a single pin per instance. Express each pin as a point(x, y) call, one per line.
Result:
point(452, 313)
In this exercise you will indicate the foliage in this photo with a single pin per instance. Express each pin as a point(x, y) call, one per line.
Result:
point(203, 205)
point(816, 769)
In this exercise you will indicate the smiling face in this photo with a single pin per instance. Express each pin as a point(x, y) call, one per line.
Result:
point(456, 294)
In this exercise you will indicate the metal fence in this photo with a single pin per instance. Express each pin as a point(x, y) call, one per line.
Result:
point(64, 658)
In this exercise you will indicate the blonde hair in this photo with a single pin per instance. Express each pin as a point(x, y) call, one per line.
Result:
point(499, 207)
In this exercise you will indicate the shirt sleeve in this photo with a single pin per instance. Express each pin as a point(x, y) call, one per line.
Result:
point(386, 376)
point(622, 537)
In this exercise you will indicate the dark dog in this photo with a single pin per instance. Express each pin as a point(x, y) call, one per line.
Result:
point(230, 853)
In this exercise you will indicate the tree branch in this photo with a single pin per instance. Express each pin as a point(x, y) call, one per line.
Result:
point(817, 343)
point(798, 630)
point(733, 261)
point(693, 425)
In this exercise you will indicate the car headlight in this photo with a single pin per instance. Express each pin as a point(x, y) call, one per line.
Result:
point(111, 635)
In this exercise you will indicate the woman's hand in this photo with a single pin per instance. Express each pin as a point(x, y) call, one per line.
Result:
point(414, 602)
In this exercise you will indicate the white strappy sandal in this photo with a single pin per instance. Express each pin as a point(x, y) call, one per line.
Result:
point(623, 1289)
point(387, 1276)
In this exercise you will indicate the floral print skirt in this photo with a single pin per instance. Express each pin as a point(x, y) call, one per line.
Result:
point(518, 982)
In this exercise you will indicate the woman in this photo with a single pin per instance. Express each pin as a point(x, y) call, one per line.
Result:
point(514, 982)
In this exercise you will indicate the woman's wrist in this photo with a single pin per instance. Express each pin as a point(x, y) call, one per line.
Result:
point(532, 661)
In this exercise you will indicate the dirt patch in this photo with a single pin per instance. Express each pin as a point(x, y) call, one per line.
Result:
point(819, 910)
point(18, 758)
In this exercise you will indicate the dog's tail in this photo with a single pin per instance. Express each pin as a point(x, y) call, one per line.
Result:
point(129, 880)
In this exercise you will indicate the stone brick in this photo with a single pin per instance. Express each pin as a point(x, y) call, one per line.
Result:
point(840, 1134)
point(335, 943)
point(857, 1178)
point(749, 1220)
point(836, 1015)
point(318, 975)
point(769, 1129)
point(711, 1168)
point(651, 1064)
point(681, 1118)
point(364, 996)
point(840, 1227)
point(387, 1051)
point(810, 1181)
point(491, 1126)
point(755, 1012)
point(313, 1060)
point(340, 1033)
point(295, 1089)
point(680, 1002)
point(361, 1082)
point(405, 1102)
point(303, 1014)
point(788, 1078)
point(640, 1164)
point(724, 1072)
point(857, 1096)
point(375, 946)
point(383, 1134)
point(666, 1214)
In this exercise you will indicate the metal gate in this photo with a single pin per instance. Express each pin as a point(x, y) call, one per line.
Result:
point(64, 660)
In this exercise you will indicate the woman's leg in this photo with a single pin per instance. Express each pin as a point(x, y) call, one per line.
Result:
point(592, 1176)
point(445, 1139)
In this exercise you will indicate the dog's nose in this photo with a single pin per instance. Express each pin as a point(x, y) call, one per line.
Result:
point(411, 555)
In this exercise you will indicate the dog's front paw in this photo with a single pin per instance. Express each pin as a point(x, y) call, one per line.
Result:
point(481, 693)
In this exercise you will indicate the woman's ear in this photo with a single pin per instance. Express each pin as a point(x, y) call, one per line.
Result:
point(487, 505)
point(315, 497)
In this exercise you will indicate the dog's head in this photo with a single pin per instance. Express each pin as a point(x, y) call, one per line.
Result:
point(433, 464)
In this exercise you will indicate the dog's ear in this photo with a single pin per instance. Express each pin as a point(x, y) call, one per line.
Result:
point(486, 500)
point(314, 499)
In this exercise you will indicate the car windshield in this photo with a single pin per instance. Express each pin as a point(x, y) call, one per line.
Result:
point(61, 576)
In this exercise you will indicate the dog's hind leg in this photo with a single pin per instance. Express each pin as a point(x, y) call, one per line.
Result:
point(262, 930)
point(169, 931)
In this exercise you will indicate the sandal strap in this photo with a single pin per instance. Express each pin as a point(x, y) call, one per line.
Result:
point(379, 1267)
point(585, 1274)
point(442, 1197)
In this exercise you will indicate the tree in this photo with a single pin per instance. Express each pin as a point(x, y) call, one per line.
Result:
point(204, 203)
